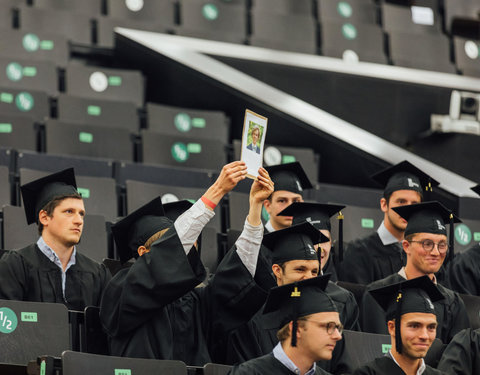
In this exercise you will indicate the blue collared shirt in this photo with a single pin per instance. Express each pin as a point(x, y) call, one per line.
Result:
point(50, 254)
point(385, 236)
point(280, 355)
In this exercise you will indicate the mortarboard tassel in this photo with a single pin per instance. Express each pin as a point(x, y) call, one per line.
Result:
point(398, 318)
point(340, 218)
point(296, 297)
point(451, 238)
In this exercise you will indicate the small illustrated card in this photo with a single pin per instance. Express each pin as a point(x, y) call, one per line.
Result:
point(253, 142)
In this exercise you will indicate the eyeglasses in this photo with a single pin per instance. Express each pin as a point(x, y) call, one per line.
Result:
point(330, 327)
point(428, 245)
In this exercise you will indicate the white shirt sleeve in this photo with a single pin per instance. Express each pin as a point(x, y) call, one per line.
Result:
point(190, 224)
point(248, 245)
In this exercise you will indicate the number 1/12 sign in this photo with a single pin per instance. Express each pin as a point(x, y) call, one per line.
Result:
point(8, 320)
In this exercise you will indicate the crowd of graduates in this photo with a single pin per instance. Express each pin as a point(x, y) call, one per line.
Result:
point(273, 304)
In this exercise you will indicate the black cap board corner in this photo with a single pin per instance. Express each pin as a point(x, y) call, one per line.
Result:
point(294, 243)
point(404, 176)
point(317, 214)
point(37, 194)
point(135, 229)
point(476, 189)
point(174, 209)
point(290, 177)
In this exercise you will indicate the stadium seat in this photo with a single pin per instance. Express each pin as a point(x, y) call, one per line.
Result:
point(6, 13)
point(105, 83)
point(472, 303)
point(88, 140)
point(460, 8)
point(214, 19)
point(294, 32)
point(3, 252)
point(94, 243)
point(29, 75)
point(353, 41)
point(467, 56)
point(74, 363)
point(467, 234)
point(358, 222)
point(5, 187)
point(37, 46)
point(421, 51)
point(95, 339)
point(75, 27)
point(195, 123)
point(418, 17)
point(362, 347)
point(274, 155)
point(36, 328)
point(99, 193)
point(119, 114)
point(209, 249)
point(18, 132)
point(27, 102)
point(159, 14)
point(348, 195)
point(285, 7)
point(114, 265)
point(216, 369)
point(16, 233)
point(182, 151)
point(356, 11)
point(87, 7)
point(237, 210)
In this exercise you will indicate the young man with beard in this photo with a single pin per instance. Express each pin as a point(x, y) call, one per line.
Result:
point(309, 329)
point(411, 320)
point(380, 253)
point(426, 247)
point(52, 270)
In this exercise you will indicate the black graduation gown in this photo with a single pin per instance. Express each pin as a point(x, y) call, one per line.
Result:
point(451, 312)
point(367, 259)
point(386, 365)
point(463, 273)
point(266, 364)
point(28, 275)
point(462, 355)
point(153, 310)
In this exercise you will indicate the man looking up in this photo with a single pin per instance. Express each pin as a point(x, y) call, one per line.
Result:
point(380, 253)
point(426, 247)
point(290, 181)
point(411, 320)
point(309, 328)
point(52, 270)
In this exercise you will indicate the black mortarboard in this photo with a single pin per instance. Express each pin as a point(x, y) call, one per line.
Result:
point(409, 296)
point(294, 243)
point(317, 214)
point(38, 193)
point(292, 301)
point(135, 229)
point(290, 177)
point(174, 209)
point(404, 176)
point(476, 189)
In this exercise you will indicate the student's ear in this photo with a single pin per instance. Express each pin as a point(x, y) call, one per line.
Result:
point(266, 204)
point(383, 205)
point(391, 328)
point(406, 247)
point(142, 250)
point(277, 271)
point(42, 217)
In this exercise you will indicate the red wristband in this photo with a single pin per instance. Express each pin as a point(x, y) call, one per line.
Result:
point(208, 202)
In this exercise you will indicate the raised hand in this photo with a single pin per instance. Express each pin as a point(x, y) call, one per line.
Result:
point(262, 187)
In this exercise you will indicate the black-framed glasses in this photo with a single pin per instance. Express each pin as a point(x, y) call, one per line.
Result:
point(428, 245)
point(330, 327)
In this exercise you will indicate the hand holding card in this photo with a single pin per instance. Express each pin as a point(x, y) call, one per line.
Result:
point(253, 142)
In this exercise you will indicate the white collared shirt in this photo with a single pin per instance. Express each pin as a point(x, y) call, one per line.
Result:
point(50, 254)
point(420, 370)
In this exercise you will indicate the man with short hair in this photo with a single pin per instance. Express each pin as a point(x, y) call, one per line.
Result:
point(309, 328)
point(52, 270)
point(426, 247)
point(254, 145)
point(154, 309)
point(411, 320)
point(290, 181)
point(380, 254)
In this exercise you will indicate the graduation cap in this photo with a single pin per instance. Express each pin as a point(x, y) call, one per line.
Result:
point(429, 217)
point(37, 194)
point(294, 243)
point(289, 302)
point(409, 296)
point(174, 209)
point(290, 177)
point(476, 189)
point(135, 229)
point(404, 176)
